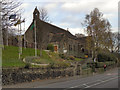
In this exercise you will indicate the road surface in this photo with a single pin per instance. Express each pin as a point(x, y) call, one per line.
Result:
point(109, 79)
point(106, 80)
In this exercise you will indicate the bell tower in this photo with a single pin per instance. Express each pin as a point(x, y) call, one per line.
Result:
point(36, 14)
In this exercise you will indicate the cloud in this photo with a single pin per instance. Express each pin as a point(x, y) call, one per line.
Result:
point(64, 24)
point(76, 30)
point(87, 6)
point(25, 5)
point(115, 29)
point(50, 6)
point(70, 21)
point(70, 14)
point(109, 15)
point(54, 1)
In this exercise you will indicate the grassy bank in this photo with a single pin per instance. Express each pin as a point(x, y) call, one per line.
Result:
point(10, 57)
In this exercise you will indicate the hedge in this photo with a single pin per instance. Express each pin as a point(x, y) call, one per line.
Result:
point(103, 57)
point(50, 47)
point(100, 64)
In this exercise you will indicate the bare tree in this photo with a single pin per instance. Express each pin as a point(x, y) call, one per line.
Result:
point(44, 14)
point(1, 33)
point(99, 29)
point(78, 35)
point(8, 7)
point(115, 42)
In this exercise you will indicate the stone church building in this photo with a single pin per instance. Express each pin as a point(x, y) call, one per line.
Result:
point(46, 33)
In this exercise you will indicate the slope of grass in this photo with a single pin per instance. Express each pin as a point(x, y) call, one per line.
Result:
point(11, 53)
point(79, 59)
point(52, 59)
point(44, 59)
point(10, 56)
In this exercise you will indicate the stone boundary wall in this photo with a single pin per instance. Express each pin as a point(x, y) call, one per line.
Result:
point(12, 76)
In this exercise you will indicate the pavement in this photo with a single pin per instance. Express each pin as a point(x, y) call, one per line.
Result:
point(109, 79)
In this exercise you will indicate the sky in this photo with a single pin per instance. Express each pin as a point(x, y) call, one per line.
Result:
point(71, 13)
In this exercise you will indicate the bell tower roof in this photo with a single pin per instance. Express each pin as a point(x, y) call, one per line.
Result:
point(36, 13)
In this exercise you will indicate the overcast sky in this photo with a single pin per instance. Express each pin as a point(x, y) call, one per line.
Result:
point(71, 13)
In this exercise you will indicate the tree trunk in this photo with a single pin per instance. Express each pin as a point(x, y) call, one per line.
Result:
point(1, 33)
point(1, 43)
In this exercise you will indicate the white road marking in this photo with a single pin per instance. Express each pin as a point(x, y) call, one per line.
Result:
point(112, 73)
point(100, 82)
point(92, 82)
point(109, 74)
point(85, 85)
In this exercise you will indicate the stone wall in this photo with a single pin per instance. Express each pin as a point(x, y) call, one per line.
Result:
point(12, 76)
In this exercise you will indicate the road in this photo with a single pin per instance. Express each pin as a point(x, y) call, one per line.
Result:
point(106, 80)
point(109, 79)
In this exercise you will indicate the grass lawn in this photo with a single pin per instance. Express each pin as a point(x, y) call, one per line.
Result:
point(78, 59)
point(10, 57)
point(51, 58)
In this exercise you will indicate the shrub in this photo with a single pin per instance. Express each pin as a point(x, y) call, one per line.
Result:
point(102, 57)
point(82, 55)
point(50, 47)
point(100, 64)
point(51, 65)
point(59, 65)
point(71, 57)
point(108, 63)
point(62, 56)
point(27, 66)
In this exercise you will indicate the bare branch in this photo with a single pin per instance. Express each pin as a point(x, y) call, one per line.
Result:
point(44, 14)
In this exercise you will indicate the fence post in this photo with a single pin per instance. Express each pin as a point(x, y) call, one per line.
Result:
point(75, 69)
point(80, 69)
